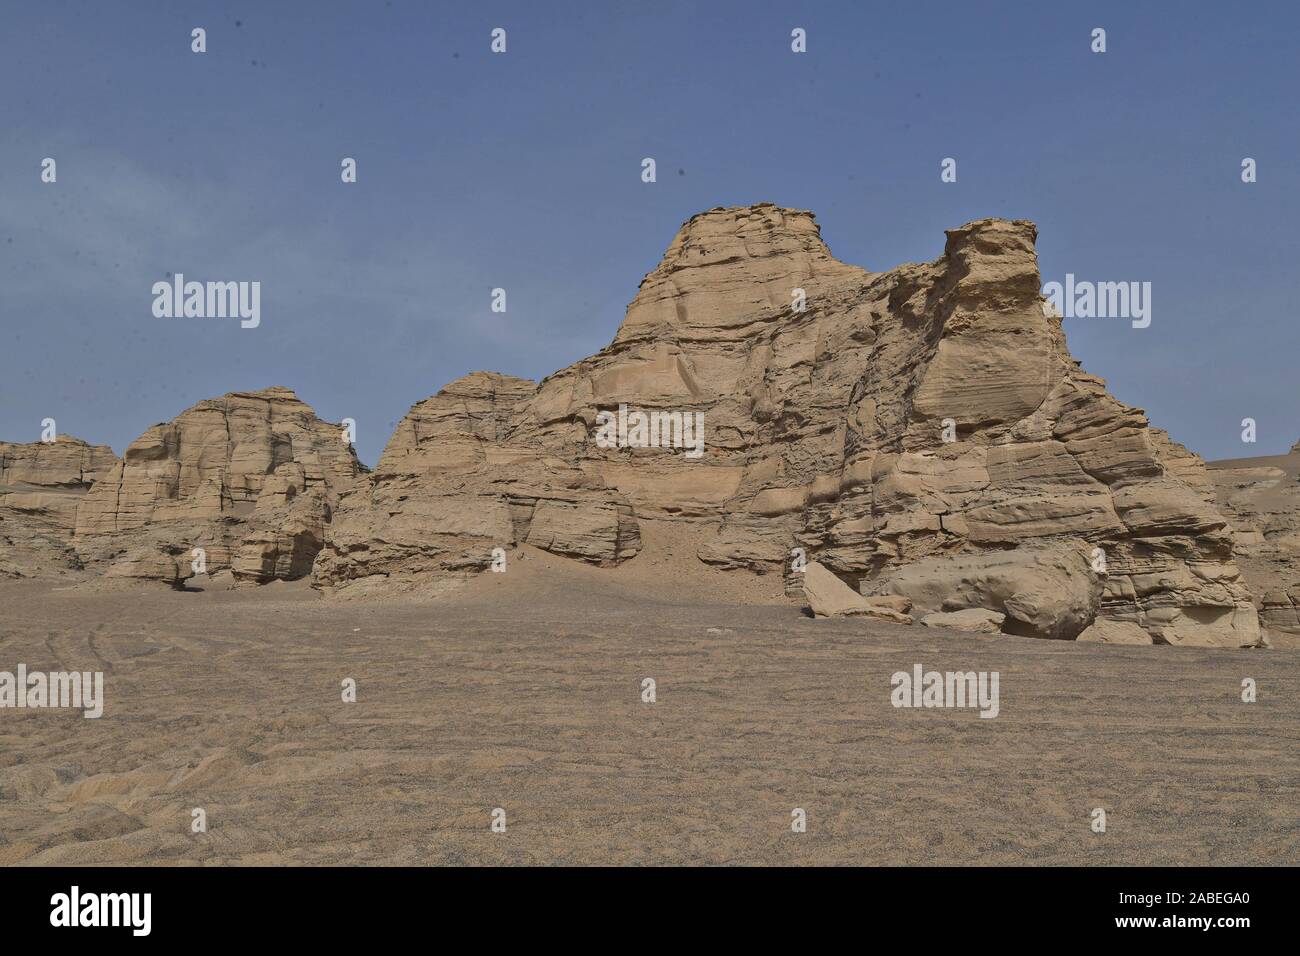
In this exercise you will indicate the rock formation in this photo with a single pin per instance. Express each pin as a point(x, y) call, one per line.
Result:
point(450, 487)
point(1114, 632)
point(926, 417)
point(250, 478)
point(828, 596)
point(917, 438)
point(1262, 498)
point(41, 485)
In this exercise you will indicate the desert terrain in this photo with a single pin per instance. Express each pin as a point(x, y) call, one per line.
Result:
point(522, 691)
point(786, 480)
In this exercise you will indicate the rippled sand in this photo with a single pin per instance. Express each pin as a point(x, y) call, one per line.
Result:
point(523, 691)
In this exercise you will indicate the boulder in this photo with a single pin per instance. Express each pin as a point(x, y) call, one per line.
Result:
point(1114, 632)
point(828, 596)
point(146, 563)
point(1048, 592)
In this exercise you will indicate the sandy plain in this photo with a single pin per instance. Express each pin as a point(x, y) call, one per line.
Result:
point(522, 691)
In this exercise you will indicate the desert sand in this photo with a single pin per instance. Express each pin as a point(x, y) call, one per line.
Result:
point(522, 691)
point(913, 456)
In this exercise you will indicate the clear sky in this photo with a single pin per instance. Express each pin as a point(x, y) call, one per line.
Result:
point(522, 170)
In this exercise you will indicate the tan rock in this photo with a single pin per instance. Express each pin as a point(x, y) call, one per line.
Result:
point(1049, 591)
point(249, 478)
point(451, 488)
point(1261, 497)
point(977, 619)
point(41, 485)
point(1114, 632)
point(876, 420)
point(286, 546)
point(922, 432)
point(151, 564)
point(828, 596)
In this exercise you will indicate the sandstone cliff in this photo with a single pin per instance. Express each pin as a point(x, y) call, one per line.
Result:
point(250, 478)
point(41, 485)
point(1262, 498)
point(922, 431)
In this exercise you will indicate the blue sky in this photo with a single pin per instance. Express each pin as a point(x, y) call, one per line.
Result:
point(522, 171)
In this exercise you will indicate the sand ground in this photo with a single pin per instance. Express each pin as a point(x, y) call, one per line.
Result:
point(523, 691)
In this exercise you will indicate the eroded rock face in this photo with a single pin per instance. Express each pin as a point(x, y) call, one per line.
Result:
point(1262, 498)
point(1114, 632)
point(41, 485)
point(151, 564)
point(1039, 591)
point(828, 596)
point(875, 420)
point(251, 478)
point(452, 487)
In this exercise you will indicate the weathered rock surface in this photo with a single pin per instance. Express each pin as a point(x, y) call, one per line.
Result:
point(875, 420)
point(250, 478)
point(151, 564)
point(1262, 498)
point(41, 484)
point(919, 435)
point(828, 596)
point(451, 488)
point(1114, 632)
point(977, 619)
point(1042, 591)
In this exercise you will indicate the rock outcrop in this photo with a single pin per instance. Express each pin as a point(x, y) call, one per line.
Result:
point(41, 485)
point(1039, 590)
point(250, 478)
point(828, 596)
point(151, 564)
point(1262, 498)
point(931, 413)
point(918, 437)
point(1114, 632)
point(451, 488)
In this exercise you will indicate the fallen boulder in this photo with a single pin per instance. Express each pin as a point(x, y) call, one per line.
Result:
point(828, 596)
point(1047, 592)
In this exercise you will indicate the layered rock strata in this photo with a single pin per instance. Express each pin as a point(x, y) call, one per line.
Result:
point(930, 416)
point(41, 485)
point(1262, 498)
point(250, 480)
